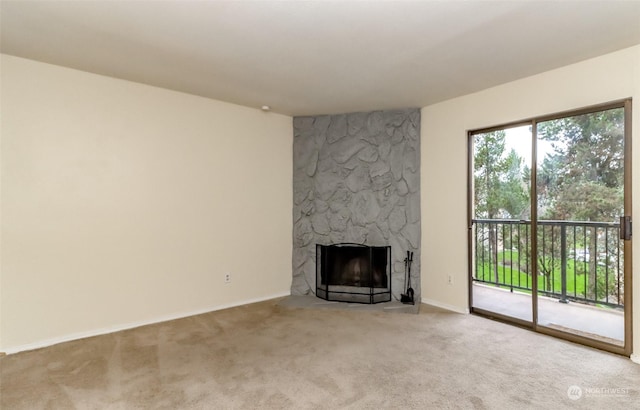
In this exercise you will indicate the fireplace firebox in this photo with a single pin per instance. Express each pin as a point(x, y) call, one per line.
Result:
point(348, 272)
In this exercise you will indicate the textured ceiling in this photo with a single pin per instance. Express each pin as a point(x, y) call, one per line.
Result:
point(318, 57)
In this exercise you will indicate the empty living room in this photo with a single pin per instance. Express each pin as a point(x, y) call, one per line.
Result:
point(281, 204)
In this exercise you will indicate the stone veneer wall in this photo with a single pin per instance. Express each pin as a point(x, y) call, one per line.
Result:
point(356, 178)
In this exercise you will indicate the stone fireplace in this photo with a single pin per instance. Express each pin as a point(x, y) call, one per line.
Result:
point(356, 180)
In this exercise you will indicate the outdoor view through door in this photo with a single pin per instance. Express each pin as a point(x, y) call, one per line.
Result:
point(547, 197)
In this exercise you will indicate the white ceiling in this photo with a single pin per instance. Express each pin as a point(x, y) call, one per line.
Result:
point(318, 57)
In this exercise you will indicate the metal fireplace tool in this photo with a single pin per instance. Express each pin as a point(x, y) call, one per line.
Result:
point(407, 298)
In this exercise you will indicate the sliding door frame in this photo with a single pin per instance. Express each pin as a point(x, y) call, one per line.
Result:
point(470, 195)
point(627, 244)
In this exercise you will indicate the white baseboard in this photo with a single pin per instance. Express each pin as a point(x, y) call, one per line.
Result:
point(635, 358)
point(445, 306)
point(125, 326)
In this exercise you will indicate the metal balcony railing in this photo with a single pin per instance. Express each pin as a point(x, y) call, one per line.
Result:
point(577, 261)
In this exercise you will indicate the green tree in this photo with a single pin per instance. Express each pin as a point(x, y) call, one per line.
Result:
point(583, 179)
point(513, 190)
point(500, 190)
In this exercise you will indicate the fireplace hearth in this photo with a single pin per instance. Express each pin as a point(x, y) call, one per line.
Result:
point(350, 272)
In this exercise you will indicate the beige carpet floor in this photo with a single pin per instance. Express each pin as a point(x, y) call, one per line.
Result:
point(268, 356)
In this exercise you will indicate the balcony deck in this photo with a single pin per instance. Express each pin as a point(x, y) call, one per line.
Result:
point(604, 324)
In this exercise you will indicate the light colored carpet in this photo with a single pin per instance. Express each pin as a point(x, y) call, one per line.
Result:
point(269, 356)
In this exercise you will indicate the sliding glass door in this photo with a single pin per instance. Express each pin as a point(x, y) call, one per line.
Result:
point(500, 234)
point(580, 199)
point(550, 231)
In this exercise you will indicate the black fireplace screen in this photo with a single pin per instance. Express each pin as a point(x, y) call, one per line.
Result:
point(349, 272)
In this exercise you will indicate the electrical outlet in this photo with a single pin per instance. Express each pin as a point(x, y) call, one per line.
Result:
point(227, 278)
point(450, 279)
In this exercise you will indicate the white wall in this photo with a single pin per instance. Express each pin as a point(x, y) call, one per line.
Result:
point(444, 158)
point(124, 204)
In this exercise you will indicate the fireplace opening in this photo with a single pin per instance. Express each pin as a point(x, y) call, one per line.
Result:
point(353, 273)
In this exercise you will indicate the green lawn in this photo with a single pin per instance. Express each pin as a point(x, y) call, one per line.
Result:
point(508, 274)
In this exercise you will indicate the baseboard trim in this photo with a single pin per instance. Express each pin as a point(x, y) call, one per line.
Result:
point(445, 306)
point(132, 325)
point(635, 358)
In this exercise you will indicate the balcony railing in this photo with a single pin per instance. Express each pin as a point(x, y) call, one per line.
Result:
point(577, 261)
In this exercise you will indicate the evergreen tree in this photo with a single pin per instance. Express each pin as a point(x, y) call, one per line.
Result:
point(583, 180)
point(500, 190)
